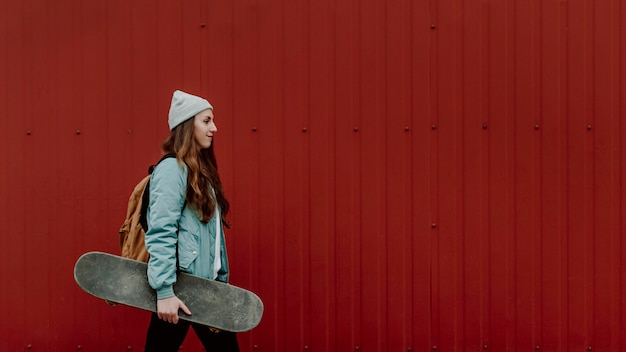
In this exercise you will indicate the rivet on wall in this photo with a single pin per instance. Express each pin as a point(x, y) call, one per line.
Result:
point(356, 129)
point(485, 126)
point(589, 127)
point(253, 129)
point(28, 133)
point(407, 129)
point(304, 129)
point(537, 126)
point(433, 127)
point(77, 132)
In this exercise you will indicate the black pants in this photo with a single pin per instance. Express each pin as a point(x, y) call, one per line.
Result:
point(164, 336)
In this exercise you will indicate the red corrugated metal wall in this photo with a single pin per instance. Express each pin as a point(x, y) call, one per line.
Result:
point(405, 175)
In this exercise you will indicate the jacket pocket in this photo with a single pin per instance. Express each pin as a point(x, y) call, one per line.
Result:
point(188, 245)
point(188, 249)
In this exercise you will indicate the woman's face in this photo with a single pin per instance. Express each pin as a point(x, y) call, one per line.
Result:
point(204, 128)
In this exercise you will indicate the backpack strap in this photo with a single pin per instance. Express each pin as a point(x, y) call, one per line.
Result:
point(168, 155)
point(145, 197)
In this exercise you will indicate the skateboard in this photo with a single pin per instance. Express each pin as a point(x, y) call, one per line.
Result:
point(124, 281)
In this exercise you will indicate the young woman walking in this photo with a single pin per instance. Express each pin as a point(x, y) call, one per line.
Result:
point(186, 215)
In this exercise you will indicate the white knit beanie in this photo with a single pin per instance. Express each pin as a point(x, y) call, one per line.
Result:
point(185, 106)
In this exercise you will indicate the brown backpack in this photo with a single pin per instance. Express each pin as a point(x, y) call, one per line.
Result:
point(132, 234)
point(133, 230)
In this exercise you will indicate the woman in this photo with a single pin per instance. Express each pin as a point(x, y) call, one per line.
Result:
point(186, 215)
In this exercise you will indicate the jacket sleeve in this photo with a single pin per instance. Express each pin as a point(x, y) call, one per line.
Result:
point(167, 198)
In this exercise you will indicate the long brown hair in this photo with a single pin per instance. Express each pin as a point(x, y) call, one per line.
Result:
point(202, 171)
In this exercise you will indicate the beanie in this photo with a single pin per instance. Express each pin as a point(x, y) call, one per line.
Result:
point(185, 106)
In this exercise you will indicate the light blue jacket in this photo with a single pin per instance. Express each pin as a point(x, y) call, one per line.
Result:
point(173, 225)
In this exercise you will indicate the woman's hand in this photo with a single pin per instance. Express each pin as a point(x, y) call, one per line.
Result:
point(167, 309)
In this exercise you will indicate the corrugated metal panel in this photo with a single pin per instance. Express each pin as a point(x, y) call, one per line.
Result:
point(404, 175)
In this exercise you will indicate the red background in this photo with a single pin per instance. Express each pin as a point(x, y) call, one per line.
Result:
point(405, 175)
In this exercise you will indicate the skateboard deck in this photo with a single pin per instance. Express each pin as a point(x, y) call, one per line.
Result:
point(212, 303)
